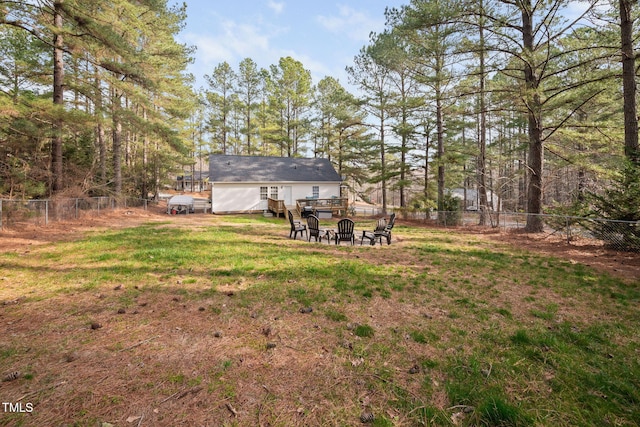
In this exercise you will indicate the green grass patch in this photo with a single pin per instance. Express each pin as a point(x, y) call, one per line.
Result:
point(364, 331)
point(335, 315)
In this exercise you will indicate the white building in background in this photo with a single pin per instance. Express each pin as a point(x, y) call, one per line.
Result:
point(244, 183)
point(471, 203)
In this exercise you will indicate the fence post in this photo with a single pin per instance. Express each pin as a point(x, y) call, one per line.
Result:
point(566, 218)
point(1, 214)
point(46, 212)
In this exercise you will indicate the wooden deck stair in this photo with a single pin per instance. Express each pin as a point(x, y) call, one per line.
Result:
point(294, 211)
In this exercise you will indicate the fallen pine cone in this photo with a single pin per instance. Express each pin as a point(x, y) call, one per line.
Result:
point(367, 417)
point(12, 376)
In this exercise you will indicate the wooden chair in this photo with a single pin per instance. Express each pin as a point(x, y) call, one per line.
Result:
point(314, 230)
point(345, 231)
point(374, 235)
point(296, 227)
point(386, 233)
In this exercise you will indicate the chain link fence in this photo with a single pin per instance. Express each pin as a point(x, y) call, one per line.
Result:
point(15, 213)
point(617, 235)
point(613, 234)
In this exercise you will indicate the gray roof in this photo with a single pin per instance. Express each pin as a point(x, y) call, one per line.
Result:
point(223, 168)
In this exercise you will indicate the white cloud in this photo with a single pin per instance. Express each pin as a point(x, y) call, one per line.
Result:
point(355, 24)
point(231, 42)
point(277, 7)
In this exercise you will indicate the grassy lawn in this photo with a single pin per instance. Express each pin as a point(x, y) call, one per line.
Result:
point(229, 322)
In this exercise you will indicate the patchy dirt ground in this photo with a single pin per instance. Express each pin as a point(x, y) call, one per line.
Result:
point(154, 372)
point(20, 236)
point(620, 264)
point(625, 265)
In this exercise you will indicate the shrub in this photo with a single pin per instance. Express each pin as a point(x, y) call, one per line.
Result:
point(619, 203)
point(452, 214)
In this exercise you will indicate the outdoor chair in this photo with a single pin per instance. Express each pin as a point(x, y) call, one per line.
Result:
point(345, 231)
point(386, 233)
point(376, 234)
point(296, 227)
point(314, 230)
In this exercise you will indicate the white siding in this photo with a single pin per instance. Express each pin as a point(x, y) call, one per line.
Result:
point(245, 197)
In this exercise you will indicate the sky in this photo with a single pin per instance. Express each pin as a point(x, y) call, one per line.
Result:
point(324, 35)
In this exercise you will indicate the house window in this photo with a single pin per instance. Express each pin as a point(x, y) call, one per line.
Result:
point(263, 193)
point(316, 192)
point(274, 193)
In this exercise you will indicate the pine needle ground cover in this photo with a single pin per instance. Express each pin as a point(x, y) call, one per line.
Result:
point(226, 321)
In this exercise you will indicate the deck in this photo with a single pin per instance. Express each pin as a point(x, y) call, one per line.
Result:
point(337, 206)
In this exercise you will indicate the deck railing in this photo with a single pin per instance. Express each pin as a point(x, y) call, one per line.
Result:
point(277, 207)
point(336, 205)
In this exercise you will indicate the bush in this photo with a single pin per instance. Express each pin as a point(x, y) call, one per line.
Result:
point(452, 214)
point(422, 204)
point(566, 216)
point(621, 202)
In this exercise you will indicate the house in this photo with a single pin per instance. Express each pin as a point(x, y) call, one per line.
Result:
point(197, 182)
point(246, 183)
point(473, 197)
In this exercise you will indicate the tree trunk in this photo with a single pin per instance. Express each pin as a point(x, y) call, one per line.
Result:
point(117, 145)
point(383, 165)
point(426, 163)
point(534, 117)
point(102, 152)
point(440, 148)
point(536, 160)
point(101, 144)
point(144, 185)
point(403, 148)
point(631, 150)
point(156, 173)
point(481, 169)
point(249, 127)
point(58, 99)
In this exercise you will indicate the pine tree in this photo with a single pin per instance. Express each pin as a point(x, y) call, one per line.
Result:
point(619, 206)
